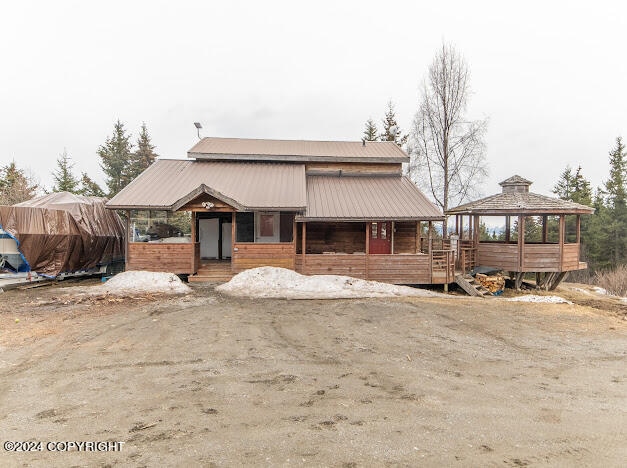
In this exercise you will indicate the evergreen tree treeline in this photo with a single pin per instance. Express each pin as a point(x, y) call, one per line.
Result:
point(603, 234)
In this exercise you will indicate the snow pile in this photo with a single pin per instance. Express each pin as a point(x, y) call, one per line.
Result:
point(282, 283)
point(130, 283)
point(545, 299)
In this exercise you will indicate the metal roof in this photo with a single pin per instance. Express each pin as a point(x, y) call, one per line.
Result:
point(366, 198)
point(297, 150)
point(520, 203)
point(168, 184)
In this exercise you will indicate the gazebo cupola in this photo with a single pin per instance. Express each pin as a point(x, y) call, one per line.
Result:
point(515, 184)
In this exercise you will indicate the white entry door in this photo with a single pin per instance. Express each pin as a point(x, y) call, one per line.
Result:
point(208, 235)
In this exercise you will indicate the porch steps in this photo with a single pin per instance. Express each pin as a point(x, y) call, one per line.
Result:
point(471, 286)
point(213, 273)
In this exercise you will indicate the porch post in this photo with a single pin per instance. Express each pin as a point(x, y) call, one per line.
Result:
point(561, 236)
point(430, 236)
point(521, 242)
point(233, 234)
point(508, 229)
point(392, 246)
point(303, 240)
point(368, 227)
point(294, 241)
point(417, 237)
point(578, 229)
point(545, 228)
point(127, 241)
point(193, 239)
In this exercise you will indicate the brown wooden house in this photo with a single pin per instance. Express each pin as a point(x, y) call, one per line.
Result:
point(536, 233)
point(318, 207)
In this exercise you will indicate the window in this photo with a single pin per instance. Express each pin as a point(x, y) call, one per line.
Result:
point(374, 230)
point(383, 231)
point(160, 226)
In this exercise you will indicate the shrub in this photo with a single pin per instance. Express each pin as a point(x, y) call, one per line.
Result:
point(613, 281)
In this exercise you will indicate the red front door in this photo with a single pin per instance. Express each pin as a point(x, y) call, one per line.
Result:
point(380, 238)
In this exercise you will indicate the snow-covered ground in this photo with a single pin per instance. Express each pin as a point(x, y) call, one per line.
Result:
point(271, 282)
point(544, 299)
point(131, 283)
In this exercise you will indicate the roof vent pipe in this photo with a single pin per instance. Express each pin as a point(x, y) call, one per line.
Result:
point(363, 142)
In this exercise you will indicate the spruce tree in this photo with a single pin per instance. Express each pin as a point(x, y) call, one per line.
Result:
point(371, 131)
point(143, 156)
point(15, 185)
point(391, 129)
point(616, 190)
point(576, 188)
point(115, 156)
point(64, 180)
point(88, 187)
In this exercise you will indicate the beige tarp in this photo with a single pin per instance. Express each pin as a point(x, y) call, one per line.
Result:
point(63, 232)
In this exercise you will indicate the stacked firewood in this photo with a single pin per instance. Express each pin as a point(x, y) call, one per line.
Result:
point(491, 283)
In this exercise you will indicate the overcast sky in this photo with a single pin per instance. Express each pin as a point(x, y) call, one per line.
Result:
point(551, 76)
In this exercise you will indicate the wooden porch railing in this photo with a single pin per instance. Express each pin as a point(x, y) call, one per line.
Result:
point(442, 266)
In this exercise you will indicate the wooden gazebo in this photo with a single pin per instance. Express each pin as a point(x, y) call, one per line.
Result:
point(521, 232)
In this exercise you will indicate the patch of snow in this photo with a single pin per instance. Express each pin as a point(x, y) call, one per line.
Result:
point(544, 299)
point(271, 282)
point(600, 290)
point(142, 282)
point(581, 290)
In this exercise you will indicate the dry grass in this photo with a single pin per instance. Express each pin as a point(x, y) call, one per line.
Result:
point(613, 281)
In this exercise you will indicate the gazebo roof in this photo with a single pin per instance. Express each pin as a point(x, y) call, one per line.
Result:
point(520, 201)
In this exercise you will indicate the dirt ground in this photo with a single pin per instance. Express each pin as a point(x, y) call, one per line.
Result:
point(208, 380)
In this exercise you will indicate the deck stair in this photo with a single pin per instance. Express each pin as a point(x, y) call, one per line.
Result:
point(471, 285)
point(214, 272)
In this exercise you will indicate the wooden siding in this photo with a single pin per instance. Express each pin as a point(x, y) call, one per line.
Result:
point(353, 168)
point(397, 269)
point(400, 269)
point(332, 264)
point(405, 238)
point(541, 258)
point(536, 257)
point(570, 258)
point(252, 255)
point(498, 255)
point(173, 258)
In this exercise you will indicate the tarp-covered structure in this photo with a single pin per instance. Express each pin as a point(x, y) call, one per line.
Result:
point(63, 232)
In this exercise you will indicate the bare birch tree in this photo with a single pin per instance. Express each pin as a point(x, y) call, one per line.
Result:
point(448, 152)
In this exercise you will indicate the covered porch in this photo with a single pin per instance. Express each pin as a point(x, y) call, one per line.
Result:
point(399, 252)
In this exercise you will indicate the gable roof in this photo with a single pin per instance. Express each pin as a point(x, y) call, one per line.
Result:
point(169, 183)
point(242, 149)
point(377, 198)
